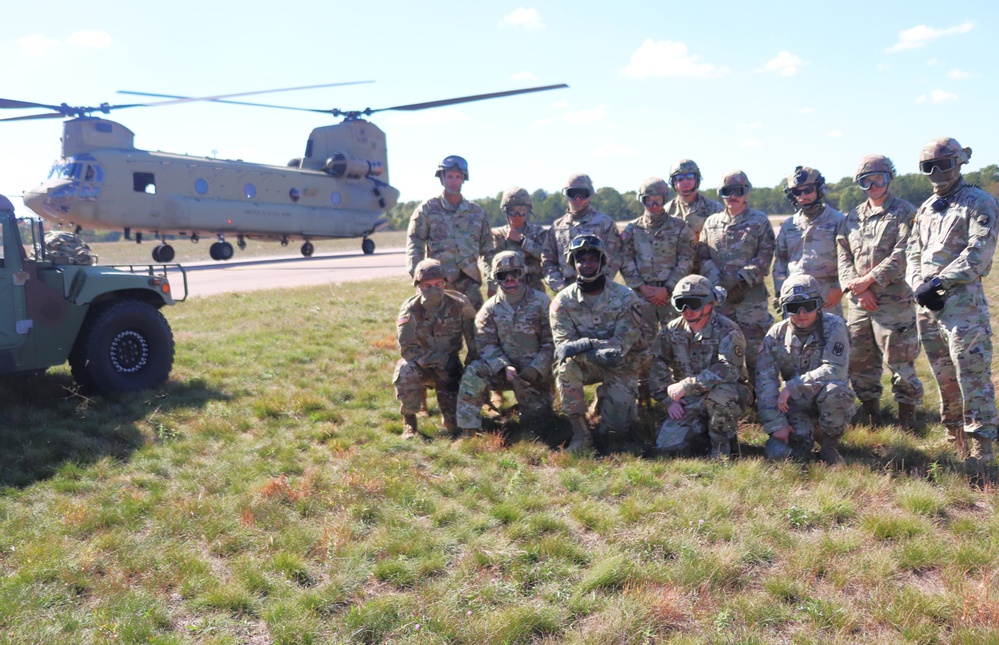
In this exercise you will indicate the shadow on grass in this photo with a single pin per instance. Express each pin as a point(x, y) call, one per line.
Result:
point(47, 423)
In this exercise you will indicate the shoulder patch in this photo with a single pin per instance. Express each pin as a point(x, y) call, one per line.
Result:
point(402, 320)
point(838, 349)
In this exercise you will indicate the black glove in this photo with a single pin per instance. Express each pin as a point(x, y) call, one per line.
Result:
point(571, 348)
point(606, 357)
point(530, 375)
point(930, 294)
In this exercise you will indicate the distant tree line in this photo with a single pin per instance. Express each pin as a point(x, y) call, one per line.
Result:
point(843, 195)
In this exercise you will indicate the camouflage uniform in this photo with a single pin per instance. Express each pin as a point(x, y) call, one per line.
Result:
point(953, 239)
point(813, 365)
point(509, 334)
point(530, 247)
point(710, 364)
point(63, 247)
point(430, 341)
point(693, 214)
point(736, 253)
point(658, 256)
point(874, 240)
point(613, 319)
point(808, 246)
point(457, 236)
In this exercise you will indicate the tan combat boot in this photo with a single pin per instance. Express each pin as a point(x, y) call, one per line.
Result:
point(721, 450)
point(408, 426)
point(870, 412)
point(959, 440)
point(982, 456)
point(907, 416)
point(582, 438)
point(828, 451)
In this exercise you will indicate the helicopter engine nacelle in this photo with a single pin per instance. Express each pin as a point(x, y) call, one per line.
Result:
point(343, 166)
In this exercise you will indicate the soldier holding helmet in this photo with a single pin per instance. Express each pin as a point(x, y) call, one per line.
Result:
point(452, 230)
point(699, 372)
point(520, 236)
point(430, 329)
point(580, 219)
point(808, 352)
point(514, 340)
point(950, 249)
point(806, 243)
point(881, 316)
point(689, 204)
point(736, 250)
point(596, 325)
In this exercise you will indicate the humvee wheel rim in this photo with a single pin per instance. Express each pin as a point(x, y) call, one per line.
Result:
point(129, 352)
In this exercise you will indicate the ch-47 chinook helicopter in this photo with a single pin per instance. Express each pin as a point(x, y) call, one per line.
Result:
point(339, 188)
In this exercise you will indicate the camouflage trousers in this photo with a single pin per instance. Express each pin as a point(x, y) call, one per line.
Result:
point(715, 413)
point(958, 345)
point(754, 319)
point(616, 395)
point(885, 337)
point(470, 288)
point(479, 380)
point(827, 412)
point(653, 320)
point(410, 380)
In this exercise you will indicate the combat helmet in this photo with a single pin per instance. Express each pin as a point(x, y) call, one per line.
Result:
point(452, 161)
point(693, 292)
point(803, 176)
point(582, 244)
point(653, 186)
point(516, 196)
point(428, 269)
point(939, 149)
point(734, 179)
point(508, 261)
point(682, 167)
point(872, 164)
point(800, 289)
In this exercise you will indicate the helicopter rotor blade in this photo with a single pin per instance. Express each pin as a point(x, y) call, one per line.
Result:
point(17, 105)
point(218, 98)
point(467, 99)
point(47, 115)
point(266, 105)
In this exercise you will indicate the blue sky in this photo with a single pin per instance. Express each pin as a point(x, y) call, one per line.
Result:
point(762, 89)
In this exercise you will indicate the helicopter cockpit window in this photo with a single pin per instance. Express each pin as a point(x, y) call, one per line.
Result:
point(201, 186)
point(144, 182)
point(93, 173)
point(66, 171)
point(250, 191)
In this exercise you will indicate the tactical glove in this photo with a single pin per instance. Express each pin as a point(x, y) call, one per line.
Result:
point(606, 357)
point(931, 294)
point(571, 348)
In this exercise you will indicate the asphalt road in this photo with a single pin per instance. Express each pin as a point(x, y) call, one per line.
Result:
point(279, 272)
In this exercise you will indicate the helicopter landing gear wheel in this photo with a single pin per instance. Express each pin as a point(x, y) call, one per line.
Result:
point(308, 249)
point(163, 253)
point(221, 251)
point(368, 246)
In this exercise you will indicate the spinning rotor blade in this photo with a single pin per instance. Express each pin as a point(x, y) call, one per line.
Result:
point(279, 107)
point(219, 98)
point(467, 99)
point(47, 115)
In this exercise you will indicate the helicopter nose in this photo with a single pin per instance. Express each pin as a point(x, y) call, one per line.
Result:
point(35, 198)
point(51, 200)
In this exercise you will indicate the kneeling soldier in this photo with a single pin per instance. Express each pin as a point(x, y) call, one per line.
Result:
point(514, 340)
point(699, 372)
point(430, 329)
point(810, 352)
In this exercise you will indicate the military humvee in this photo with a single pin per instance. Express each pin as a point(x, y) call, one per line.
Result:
point(56, 306)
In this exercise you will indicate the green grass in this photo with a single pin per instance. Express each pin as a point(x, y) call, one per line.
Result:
point(264, 495)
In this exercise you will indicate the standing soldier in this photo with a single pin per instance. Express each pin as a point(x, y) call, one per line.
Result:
point(950, 250)
point(514, 340)
point(430, 330)
point(452, 230)
point(808, 351)
point(656, 250)
point(689, 204)
point(806, 243)
point(520, 236)
point(580, 219)
point(881, 317)
point(699, 371)
point(596, 324)
point(736, 250)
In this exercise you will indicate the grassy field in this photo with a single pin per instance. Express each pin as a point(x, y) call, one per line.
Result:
point(264, 495)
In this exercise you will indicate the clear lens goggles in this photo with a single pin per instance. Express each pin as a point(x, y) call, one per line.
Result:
point(873, 180)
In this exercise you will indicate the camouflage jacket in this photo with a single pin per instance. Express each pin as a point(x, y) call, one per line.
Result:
point(456, 236)
point(805, 364)
point(432, 338)
point(693, 214)
point(808, 246)
point(873, 240)
point(955, 244)
point(555, 267)
point(742, 245)
point(515, 334)
point(657, 257)
point(698, 360)
point(530, 247)
point(613, 317)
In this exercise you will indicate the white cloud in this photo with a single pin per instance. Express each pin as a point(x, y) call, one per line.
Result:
point(835, 134)
point(931, 62)
point(612, 149)
point(957, 74)
point(669, 58)
point(922, 35)
point(524, 76)
point(582, 117)
point(785, 63)
point(806, 110)
point(751, 126)
point(520, 17)
point(883, 67)
point(937, 96)
point(429, 117)
point(90, 38)
point(36, 44)
point(751, 143)
point(540, 123)
point(561, 104)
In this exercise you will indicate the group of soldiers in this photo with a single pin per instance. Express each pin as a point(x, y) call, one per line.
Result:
point(691, 327)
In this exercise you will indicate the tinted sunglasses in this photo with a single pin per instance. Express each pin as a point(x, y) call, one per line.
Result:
point(688, 302)
point(577, 193)
point(874, 179)
point(684, 175)
point(807, 190)
point(733, 191)
point(808, 306)
point(940, 165)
